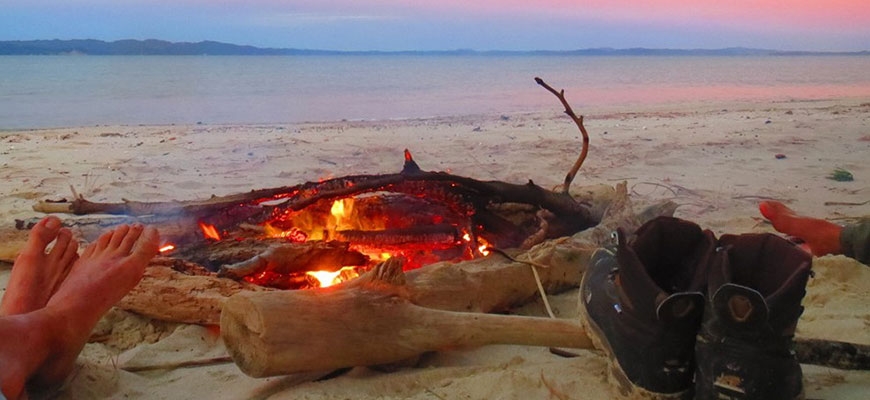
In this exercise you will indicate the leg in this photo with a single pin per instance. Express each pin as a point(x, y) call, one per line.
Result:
point(822, 237)
point(25, 346)
point(36, 273)
point(55, 334)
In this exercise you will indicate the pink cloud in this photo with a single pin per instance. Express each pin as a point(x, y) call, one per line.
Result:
point(844, 14)
point(833, 13)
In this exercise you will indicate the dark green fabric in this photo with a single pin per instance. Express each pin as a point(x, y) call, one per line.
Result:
point(855, 240)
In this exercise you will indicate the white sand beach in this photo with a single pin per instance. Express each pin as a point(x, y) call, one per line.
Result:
point(716, 160)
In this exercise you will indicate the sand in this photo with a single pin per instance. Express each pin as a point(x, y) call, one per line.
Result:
point(716, 160)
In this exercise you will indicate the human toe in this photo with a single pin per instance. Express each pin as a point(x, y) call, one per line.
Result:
point(43, 233)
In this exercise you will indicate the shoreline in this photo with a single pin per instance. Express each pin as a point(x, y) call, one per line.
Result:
point(716, 160)
point(589, 112)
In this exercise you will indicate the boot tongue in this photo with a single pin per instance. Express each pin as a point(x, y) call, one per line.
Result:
point(667, 256)
point(675, 253)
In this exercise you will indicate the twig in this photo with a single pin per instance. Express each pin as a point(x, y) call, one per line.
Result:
point(563, 353)
point(674, 192)
point(543, 293)
point(74, 193)
point(845, 203)
point(509, 257)
point(755, 197)
point(180, 364)
point(577, 120)
point(535, 267)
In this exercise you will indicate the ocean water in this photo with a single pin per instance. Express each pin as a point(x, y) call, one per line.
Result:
point(55, 91)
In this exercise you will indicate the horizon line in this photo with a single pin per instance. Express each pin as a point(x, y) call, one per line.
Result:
point(463, 50)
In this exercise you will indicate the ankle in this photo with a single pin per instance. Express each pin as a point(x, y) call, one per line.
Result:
point(63, 346)
point(34, 338)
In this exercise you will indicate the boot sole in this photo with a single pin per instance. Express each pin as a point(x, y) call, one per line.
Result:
point(616, 375)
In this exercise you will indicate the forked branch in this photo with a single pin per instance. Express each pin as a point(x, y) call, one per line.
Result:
point(577, 120)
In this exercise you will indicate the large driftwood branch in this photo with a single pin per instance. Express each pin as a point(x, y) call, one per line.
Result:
point(462, 195)
point(578, 120)
point(368, 321)
point(300, 196)
point(834, 354)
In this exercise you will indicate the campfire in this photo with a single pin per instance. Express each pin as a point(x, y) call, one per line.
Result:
point(322, 233)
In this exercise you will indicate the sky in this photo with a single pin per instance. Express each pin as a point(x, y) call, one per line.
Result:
point(391, 25)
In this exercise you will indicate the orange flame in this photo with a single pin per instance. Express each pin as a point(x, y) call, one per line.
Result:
point(329, 278)
point(341, 211)
point(482, 245)
point(209, 231)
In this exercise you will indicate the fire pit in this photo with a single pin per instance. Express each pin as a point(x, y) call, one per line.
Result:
point(322, 233)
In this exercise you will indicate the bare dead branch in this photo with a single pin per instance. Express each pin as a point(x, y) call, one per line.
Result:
point(180, 364)
point(577, 120)
point(845, 203)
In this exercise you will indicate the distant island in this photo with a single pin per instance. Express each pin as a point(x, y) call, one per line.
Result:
point(132, 47)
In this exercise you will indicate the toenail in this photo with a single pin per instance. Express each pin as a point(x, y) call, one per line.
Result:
point(52, 223)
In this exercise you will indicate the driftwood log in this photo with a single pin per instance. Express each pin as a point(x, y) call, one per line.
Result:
point(373, 321)
point(367, 321)
point(178, 291)
point(467, 197)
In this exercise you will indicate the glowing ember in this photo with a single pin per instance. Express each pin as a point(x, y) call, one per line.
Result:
point(293, 234)
point(209, 231)
point(378, 226)
point(166, 248)
point(329, 278)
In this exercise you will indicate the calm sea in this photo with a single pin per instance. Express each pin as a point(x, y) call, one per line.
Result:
point(48, 91)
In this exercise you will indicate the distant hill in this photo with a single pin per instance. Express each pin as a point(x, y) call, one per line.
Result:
point(129, 47)
point(161, 47)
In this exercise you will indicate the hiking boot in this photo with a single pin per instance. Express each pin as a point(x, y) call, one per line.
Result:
point(642, 306)
point(744, 348)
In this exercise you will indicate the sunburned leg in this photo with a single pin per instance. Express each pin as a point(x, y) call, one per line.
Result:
point(24, 348)
point(822, 237)
point(37, 274)
point(103, 274)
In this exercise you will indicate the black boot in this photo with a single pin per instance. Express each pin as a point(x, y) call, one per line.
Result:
point(744, 349)
point(643, 305)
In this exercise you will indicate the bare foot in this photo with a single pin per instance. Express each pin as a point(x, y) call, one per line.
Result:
point(105, 272)
point(37, 274)
point(39, 348)
point(821, 236)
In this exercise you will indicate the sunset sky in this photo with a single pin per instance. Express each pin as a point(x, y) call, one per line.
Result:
point(828, 25)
